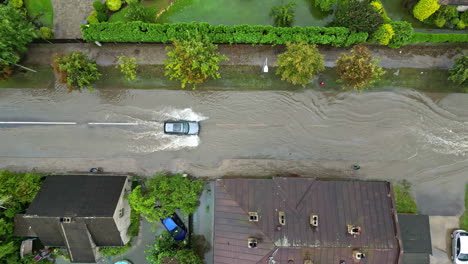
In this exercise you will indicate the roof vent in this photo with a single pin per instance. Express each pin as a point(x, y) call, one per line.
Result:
point(354, 230)
point(358, 255)
point(253, 217)
point(253, 242)
point(65, 220)
point(282, 218)
point(313, 219)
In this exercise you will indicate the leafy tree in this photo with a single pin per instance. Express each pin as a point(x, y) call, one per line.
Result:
point(128, 67)
point(325, 5)
point(425, 8)
point(15, 33)
point(137, 12)
point(114, 5)
point(384, 34)
point(76, 70)
point(358, 70)
point(358, 16)
point(403, 34)
point(99, 6)
point(300, 63)
point(459, 72)
point(164, 194)
point(16, 3)
point(193, 61)
point(283, 15)
point(379, 7)
point(166, 249)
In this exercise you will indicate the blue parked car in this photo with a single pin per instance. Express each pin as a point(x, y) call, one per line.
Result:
point(175, 227)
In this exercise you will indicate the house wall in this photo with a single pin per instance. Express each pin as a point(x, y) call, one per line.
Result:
point(123, 222)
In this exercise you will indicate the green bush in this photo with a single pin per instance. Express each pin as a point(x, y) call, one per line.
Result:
point(437, 38)
point(144, 32)
point(114, 251)
point(464, 217)
point(283, 15)
point(445, 16)
point(300, 63)
point(404, 201)
point(166, 248)
point(114, 5)
point(132, 1)
point(46, 33)
point(464, 17)
point(459, 72)
point(379, 7)
point(325, 5)
point(102, 17)
point(461, 25)
point(92, 19)
point(76, 70)
point(425, 8)
point(99, 6)
point(137, 12)
point(358, 16)
point(403, 34)
point(16, 3)
point(384, 34)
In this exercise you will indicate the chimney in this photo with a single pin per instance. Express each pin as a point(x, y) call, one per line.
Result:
point(354, 230)
point(358, 255)
point(253, 217)
point(282, 218)
point(313, 220)
point(252, 242)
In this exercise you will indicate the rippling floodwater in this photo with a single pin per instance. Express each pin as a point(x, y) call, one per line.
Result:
point(425, 136)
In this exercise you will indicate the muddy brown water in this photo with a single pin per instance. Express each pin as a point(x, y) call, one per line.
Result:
point(427, 134)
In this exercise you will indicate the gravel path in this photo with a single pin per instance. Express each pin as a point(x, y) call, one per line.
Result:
point(69, 15)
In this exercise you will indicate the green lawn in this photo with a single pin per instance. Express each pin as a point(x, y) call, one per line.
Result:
point(40, 12)
point(464, 217)
point(404, 201)
point(153, 6)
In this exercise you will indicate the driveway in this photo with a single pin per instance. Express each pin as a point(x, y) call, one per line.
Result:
point(441, 227)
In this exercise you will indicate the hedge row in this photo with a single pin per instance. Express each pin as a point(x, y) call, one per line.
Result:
point(436, 38)
point(163, 33)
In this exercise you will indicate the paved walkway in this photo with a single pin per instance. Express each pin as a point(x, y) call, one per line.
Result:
point(441, 227)
point(68, 16)
point(423, 57)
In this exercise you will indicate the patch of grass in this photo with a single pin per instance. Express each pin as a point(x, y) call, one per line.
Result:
point(134, 227)
point(153, 7)
point(404, 201)
point(40, 12)
point(114, 251)
point(464, 217)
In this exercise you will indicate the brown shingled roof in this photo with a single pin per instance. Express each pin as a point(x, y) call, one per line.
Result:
point(366, 204)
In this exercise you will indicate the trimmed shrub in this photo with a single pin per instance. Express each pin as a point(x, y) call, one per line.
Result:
point(92, 19)
point(102, 17)
point(99, 6)
point(132, 1)
point(403, 34)
point(358, 16)
point(114, 5)
point(461, 25)
point(379, 7)
point(164, 33)
point(46, 33)
point(437, 38)
point(16, 3)
point(384, 34)
point(300, 63)
point(425, 8)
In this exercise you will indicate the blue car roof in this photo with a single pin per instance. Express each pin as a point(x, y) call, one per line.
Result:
point(169, 223)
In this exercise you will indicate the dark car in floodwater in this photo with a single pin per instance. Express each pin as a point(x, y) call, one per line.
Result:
point(175, 227)
point(181, 127)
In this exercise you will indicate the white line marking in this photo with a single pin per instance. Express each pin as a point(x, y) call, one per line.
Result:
point(113, 124)
point(39, 123)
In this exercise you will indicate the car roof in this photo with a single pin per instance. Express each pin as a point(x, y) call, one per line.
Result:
point(169, 223)
point(464, 244)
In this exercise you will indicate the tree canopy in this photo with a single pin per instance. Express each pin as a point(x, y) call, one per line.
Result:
point(166, 249)
point(163, 194)
point(459, 72)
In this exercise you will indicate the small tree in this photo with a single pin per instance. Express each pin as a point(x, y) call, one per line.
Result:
point(425, 8)
point(459, 72)
point(164, 194)
point(167, 250)
point(383, 35)
point(193, 61)
point(283, 15)
point(300, 63)
point(358, 70)
point(76, 70)
point(127, 66)
point(358, 16)
point(403, 34)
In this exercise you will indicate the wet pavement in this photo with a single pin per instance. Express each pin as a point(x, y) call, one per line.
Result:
point(400, 134)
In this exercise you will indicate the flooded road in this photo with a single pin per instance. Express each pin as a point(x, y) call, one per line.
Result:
point(426, 134)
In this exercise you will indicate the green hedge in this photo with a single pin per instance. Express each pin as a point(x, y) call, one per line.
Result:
point(163, 33)
point(436, 38)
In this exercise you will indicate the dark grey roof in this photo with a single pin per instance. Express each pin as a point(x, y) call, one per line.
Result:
point(415, 233)
point(81, 247)
point(22, 227)
point(77, 195)
point(416, 258)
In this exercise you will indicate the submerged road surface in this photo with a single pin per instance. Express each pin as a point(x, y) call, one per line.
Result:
point(425, 134)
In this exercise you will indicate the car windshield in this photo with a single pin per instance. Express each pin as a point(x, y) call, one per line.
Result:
point(176, 231)
point(186, 127)
point(463, 257)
